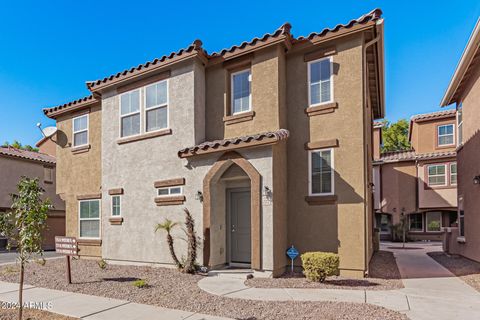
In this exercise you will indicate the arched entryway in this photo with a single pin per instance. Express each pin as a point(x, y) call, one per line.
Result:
point(232, 184)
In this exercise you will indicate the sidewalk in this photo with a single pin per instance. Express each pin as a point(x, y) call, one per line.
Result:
point(94, 308)
point(431, 291)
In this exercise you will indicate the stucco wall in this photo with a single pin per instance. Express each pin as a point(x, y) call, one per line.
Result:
point(78, 174)
point(48, 146)
point(424, 135)
point(437, 197)
point(338, 227)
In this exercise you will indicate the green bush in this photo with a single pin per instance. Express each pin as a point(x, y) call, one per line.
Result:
point(319, 265)
point(140, 283)
point(102, 264)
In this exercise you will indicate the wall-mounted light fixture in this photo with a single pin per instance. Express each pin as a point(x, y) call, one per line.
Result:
point(199, 196)
point(267, 192)
point(476, 180)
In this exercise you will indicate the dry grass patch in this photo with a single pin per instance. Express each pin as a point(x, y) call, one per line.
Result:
point(384, 275)
point(31, 314)
point(171, 289)
point(465, 269)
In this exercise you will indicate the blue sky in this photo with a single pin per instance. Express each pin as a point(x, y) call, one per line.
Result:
point(48, 49)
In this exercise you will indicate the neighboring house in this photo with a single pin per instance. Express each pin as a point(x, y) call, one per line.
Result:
point(420, 184)
point(464, 91)
point(14, 164)
point(257, 141)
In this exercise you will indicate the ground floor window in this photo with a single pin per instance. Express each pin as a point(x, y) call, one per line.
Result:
point(461, 217)
point(321, 172)
point(416, 222)
point(434, 221)
point(170, 191)
point(89, 217)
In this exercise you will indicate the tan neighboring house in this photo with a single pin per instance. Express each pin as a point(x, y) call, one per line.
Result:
point(464, 91)
point(257, 141)
point(14, 164)
point(420, 184)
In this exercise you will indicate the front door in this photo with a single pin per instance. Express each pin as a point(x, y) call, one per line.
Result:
point(240, 226)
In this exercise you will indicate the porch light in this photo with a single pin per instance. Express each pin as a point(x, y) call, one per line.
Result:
point(267, 192)
point(476, 180)
point(199, 196)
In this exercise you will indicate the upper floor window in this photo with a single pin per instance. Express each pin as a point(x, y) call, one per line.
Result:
point(80, 130)
point(241, 91)
point(130, 113)
point(156, 101)
point(89, 216)
point(445, 135)
point(453, 173)
point(437, 175)
point(170, 191)
point(321, 172)
point(460, 125)
point(320, 82)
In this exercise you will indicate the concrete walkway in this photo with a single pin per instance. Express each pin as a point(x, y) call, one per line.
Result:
point(431, 291)
point(92, 307)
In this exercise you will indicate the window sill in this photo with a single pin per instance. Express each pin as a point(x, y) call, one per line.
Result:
point(321, 109)
point(321, 200)
point(81, 149)
point(461, 240)
point(241, 117)
point(145, 136)
point(169, 200)
point(48, 182)
point(89, 242)
point(115, 220)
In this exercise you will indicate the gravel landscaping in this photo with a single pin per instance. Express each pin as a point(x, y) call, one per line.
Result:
point(384, 275)
point(172, 289)
point(465, 269)
point(30, 314)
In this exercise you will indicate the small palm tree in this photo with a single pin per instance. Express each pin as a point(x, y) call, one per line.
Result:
point(168, 226)
point(192, 243)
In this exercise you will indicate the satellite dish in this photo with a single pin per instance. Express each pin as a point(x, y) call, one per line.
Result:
point(48, 132)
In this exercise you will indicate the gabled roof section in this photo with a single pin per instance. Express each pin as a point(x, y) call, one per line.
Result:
point(263, 138)
point(53, 112)
point(26, 155)
point(194, 49)
point(470, 57)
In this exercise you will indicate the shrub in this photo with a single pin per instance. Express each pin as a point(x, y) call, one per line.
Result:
point(102, 264)
point(319, 265)
point(140, 283)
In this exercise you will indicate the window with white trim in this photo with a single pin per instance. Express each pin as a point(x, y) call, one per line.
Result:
point(460, 125)
point(415, 222)
point(241, 91)
point(80, 130)
point(437, 175)
point(130, 113)
point(89, 217)
point(320, 82)
point(156, 106)
point(433, 221)
point(116, 206)
point(321, 171)
point(453, 173)
point(170, 191)
point(445, 135)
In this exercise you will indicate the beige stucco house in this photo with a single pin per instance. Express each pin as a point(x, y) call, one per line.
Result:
point(257, 141)
point(15, 163)
point(464, 91)
point(418, 184)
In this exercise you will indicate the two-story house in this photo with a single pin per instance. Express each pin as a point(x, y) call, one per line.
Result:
point(419, 184)
point(464, 91)
point(257, 141)
point(15, 163)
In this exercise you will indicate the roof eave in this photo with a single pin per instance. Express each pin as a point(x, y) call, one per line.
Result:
point(462, 66)
point(80, 106)
point(381, 67)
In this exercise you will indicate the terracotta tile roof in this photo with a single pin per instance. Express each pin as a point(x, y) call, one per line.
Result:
point(29, 155)
point(373, 15)
point(70, 105)
point(235, 143)
point(434, 115)
point(195, 46)
point(411, 155)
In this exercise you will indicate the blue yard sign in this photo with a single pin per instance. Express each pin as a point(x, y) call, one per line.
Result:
point(292, 253)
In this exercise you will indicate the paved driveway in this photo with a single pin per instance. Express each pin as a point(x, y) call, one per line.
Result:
point(10, 257)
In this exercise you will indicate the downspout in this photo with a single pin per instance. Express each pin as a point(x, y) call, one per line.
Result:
point(368, 190)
